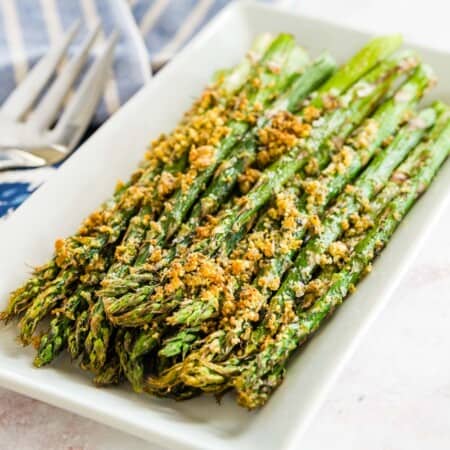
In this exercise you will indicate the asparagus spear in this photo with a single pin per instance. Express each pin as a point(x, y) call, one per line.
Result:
point(332, 183)
point(232, 80)
point(61, 288)
point(199, 369)
point(78, 334)
point(180, 343)
point(56, 339)
point(43, 303)
point(224, 182)
point(271, 180)
point(131, 352)
point(368, 57)
point(167, 152)
point(20, 298)
point(228, 84)
point(88, 246)
point(350, 203)
point(111, 373)
point(287, 59)
point(266, 371)
point(132, 370)
point(145, 342)
point(127, 250)
point(291, 58)
point(42, 276)
point(97, 340)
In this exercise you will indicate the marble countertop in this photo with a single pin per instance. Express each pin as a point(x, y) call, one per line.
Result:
point(395, 392)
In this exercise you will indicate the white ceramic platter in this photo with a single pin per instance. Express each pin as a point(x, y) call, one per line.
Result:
point(88, 178)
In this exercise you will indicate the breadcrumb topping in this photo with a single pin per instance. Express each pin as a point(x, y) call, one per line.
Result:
point(248, 179)
point(167, 184)
point(202, 157)
point(280, 135)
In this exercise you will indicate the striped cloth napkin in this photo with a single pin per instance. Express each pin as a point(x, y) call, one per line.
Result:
point(151, 32)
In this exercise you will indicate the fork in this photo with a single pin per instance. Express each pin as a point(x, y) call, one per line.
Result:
point(35, 137)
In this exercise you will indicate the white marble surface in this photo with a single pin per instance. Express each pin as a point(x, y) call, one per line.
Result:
point(395, 392)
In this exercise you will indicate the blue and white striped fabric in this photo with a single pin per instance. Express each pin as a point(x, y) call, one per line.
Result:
point(151, 32)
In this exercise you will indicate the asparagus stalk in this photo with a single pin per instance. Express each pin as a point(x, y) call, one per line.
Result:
point(42, 276)
point(56, 338)
point(196, 311)
point(54, 341)
point(266, 371)
point(231, 81)
point(271, 180)
point(362, 62)
point(223, 183)
point(291, 58)
point(198, 369)
point(167, 152)
point(350, 203)
point(20, 298)
point(133, 369)
point(145, 342)
point(227, 85)
point(180, 343)
point(43, 303)
point(98, 337)
point(288, 59)
point(61, 288)
point(131, 352)
point(78, 334)
point(85, 247)
point(111, 373)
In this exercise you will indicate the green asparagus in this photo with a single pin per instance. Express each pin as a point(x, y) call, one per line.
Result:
point(265, 373)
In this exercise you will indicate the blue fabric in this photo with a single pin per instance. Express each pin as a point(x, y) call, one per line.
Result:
point(29, 27)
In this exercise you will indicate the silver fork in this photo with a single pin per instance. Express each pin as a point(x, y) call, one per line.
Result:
point(28, 137)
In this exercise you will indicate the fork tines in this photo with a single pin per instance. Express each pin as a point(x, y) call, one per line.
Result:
point(81, 105)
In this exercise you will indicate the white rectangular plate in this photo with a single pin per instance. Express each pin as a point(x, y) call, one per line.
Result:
point(88, 178)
